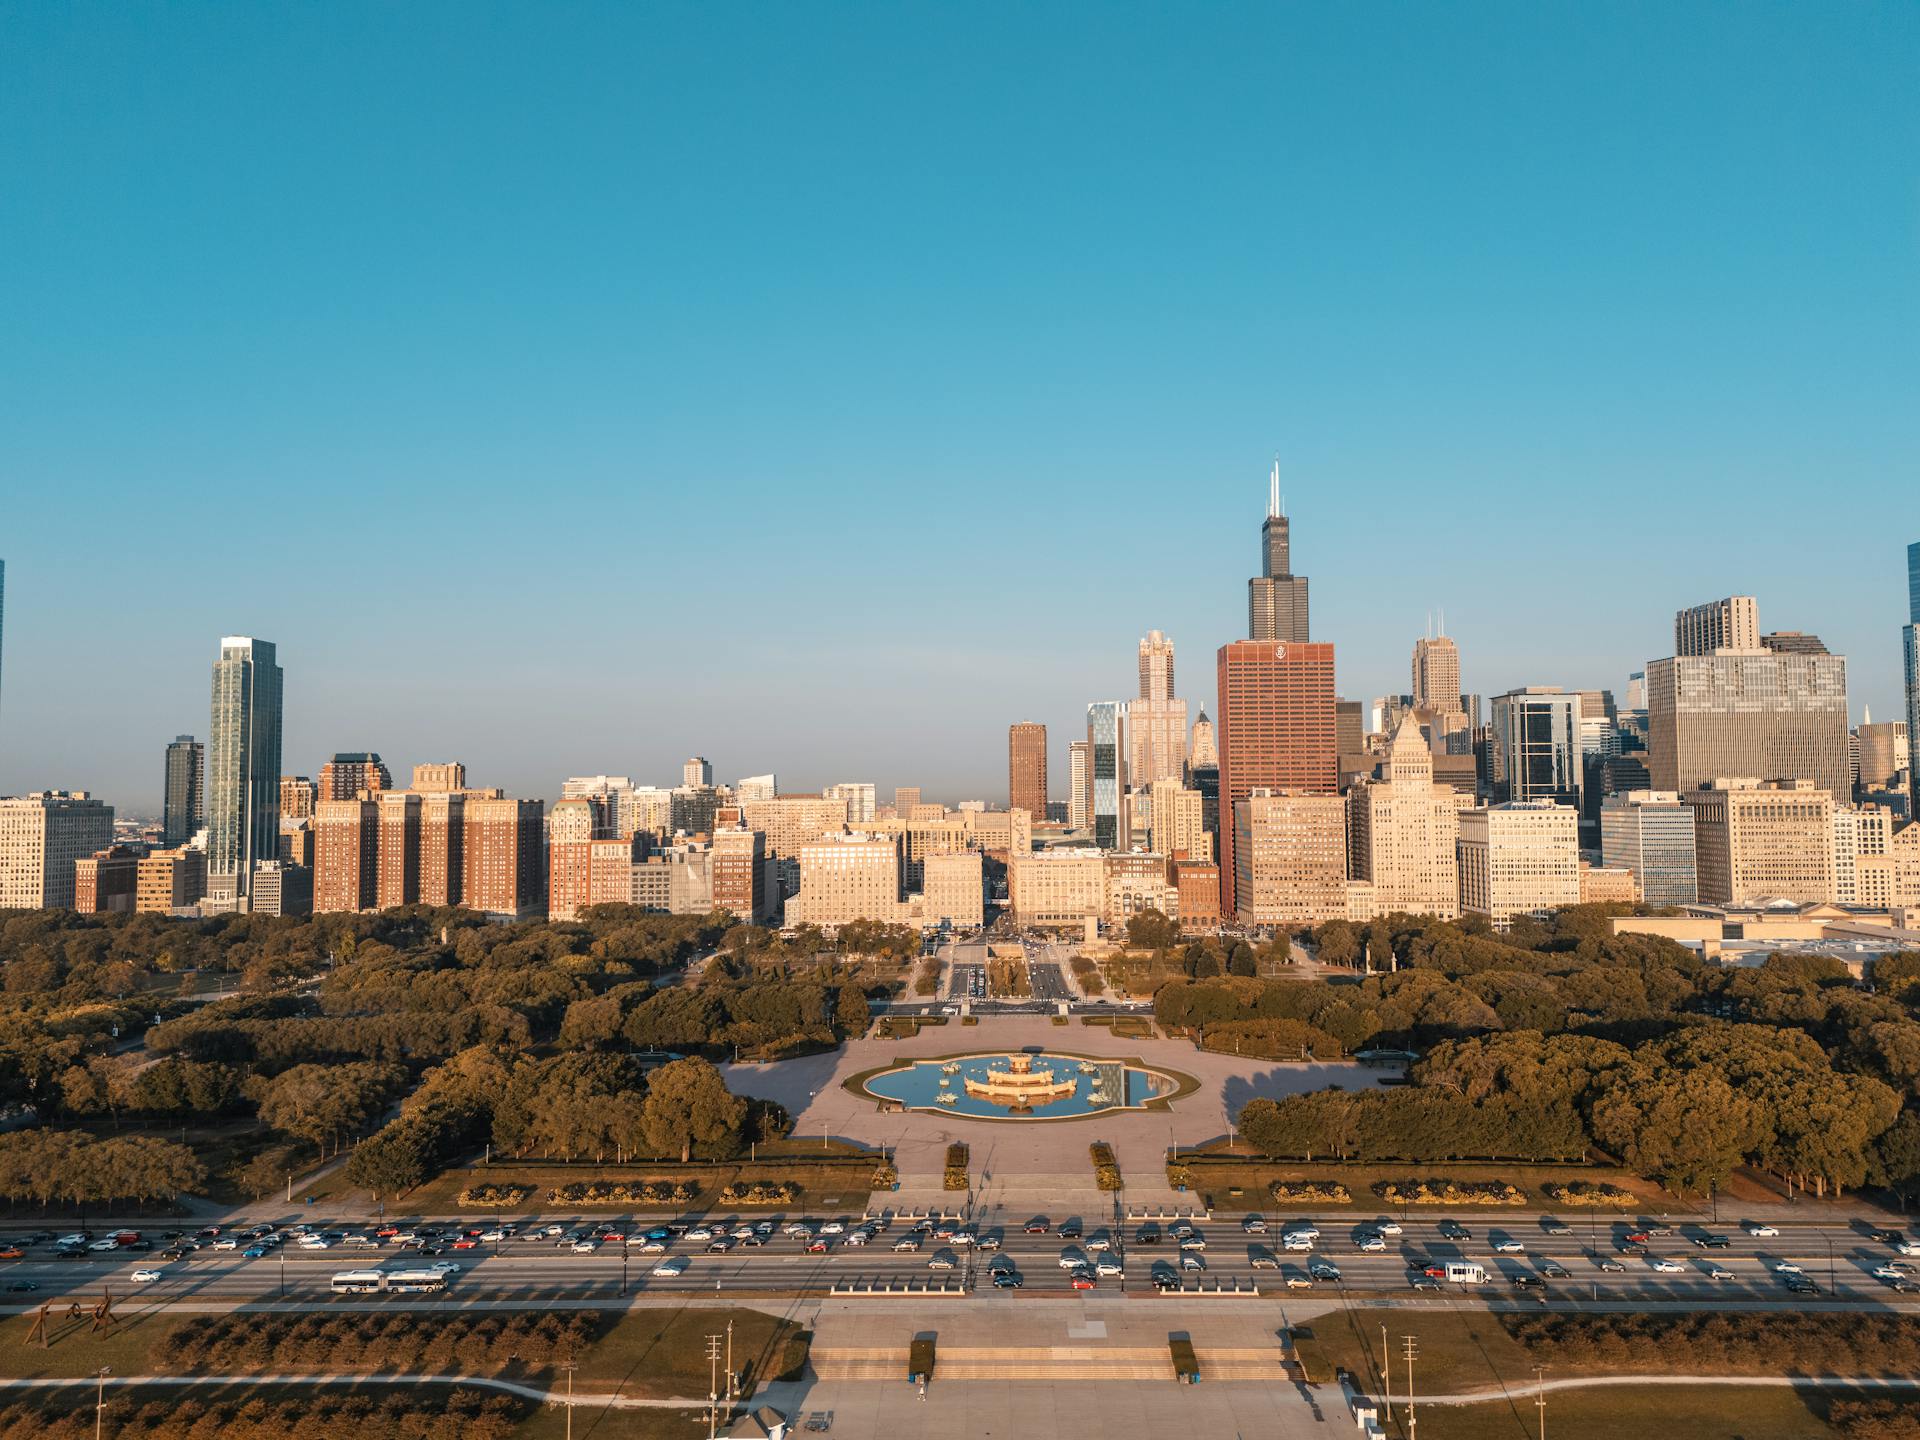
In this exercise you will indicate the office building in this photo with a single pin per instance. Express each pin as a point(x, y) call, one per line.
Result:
point(281, 889)
point(1762, 841)
point(1276, 597)
point(439, 777)
point(1794, 642)
point(503, 858)
point(346, 854)
point(1276, 732)
point(1534, 746)
point(243, 768)
point(1107, 774)
point(1156, 719)
point(953, 891)
point(756, 787)
point(1651, 833)
point(1289, 857)
point(1204, 749)
point(349, 775)
point(1519, 858)
point(183, 808)
point(298, 796)
point(296, 842)
point(1080, 785)
point(1885, 754)
point(1063, 888)
point(1602, 886)
point(1436, 675)
point(1197, 885)
point(745, 881)
point(1729, 624)
point(1027, 768)
point(105, 882)
point(606, 800)
point(1863, 866)
point(788, 822)
point(167, 881)
point(697, 773)
point(692, 810)
point(42, 837)
point(846, 877)
point(1754, 713)
point(1176, 825)
point(859, 798)
point(1403, 830)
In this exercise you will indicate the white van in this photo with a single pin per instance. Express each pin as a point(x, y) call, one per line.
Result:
point(1462, 1272)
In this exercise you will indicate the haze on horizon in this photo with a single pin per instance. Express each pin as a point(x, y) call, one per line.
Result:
point(571, 391)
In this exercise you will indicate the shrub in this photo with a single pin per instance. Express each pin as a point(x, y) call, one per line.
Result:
point(1308, 1192)
point(394, 1341)
point(957, 1158)
point(969, 1019)
point(1588, 1194)
point(1106, 1169)
point(885, 1177)
point(1180, 1175)
point(623, 1192)
point(1059, 1019)
point(760, 1192)
point(1440, 1191)
point(494, 1196)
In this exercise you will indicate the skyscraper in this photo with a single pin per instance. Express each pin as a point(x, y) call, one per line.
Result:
point(1106, 773)
point(185, 807)
point(1729, 624)
point(1027, 769)
point(1276, 732)
point(1157, 720)
point(1761, 714)
point(243, 767)
point(1436, 674)
point(1910, 638)
point(1651, 833)
point(3, 612)
point(1079, 785)
point(347, 774)
point(696, 772)
point(1276, 597)
point(1403, 831)
point(1203, 751)
point(1534, 750)
point(42, 837)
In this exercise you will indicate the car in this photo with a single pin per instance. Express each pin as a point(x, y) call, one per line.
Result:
point(855, 1237)
point(1892, 1272)
point(145, 1277)
point(446, 1267)
point(1296, 1242)
point(1668, 1267)
point(940, 1232)
point(1906, 1287)
point(23, 1287)
point(1254, 1225)
point(1193, 1242)
point(1423, 1282)
point(1388, 1227)
point(675, 1265)
point(822, 1246)
point(741, 1232)
point(1324, 1270)
point(1099, 1241)
point(1037, 1226)
point(1759, 1231)
point(1263, 1259)
point(1509, 1246)
point(1712, 1242)
point(959, 1237)
point(315, 1242)
point(1524, 1281)
point(1166, 1282)
point(1071, 1259)
point(720, 1245)
point(1552, 1226)
point(1632, 1247)
point(1639, 1237)
point(1007, 1280)
point(1786, 1267)
point(11, 1252)
point(702, 1234)
point(1610, 1265)
point(1299, 1282)
point(254, 1252)
point(1908, 1247)
point(1800, 1285)
point(1192, 1262)
point(1656, 1229)
point(497, 1234)
point(579, 1247)
point(1147, 1235)
point(1553, 1269)
point(1107, 1265)
point(104, 1245)
point(987, 1242)
point(1182, 1229)
point(1084, 1282)
point(908, 1245)
point(1071, 1230)
point(944, 1260)
point(1371, 1244)
point(1886, 1237)
point(1454, 1230)
point(1719, 1272)
point(834, 1227)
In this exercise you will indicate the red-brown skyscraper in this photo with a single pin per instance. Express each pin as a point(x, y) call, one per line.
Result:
point(1275, 729)
point(1027, 769)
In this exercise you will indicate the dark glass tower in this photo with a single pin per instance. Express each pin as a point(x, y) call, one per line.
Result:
point(1276, 597)
point(186, 803)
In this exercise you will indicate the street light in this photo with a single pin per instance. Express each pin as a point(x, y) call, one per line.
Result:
point(100, 1398)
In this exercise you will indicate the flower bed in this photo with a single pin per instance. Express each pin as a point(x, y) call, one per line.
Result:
point(498, 1197)
point(1106, 1169)
point(1308, 1192)
point(1450, 1192)
point(623, 1192)
point(1589, 1194)
point(760, 1192)
point(957, 1157)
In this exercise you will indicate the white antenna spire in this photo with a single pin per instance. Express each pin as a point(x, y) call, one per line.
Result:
point(1273, 490)
point(1443, 620)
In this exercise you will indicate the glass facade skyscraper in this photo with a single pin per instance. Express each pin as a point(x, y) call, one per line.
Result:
point(243, 767)
point(1107, 772)
point(1535, 751)
point(186, 804)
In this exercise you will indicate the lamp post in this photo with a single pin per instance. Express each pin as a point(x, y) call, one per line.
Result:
point(100, 1399)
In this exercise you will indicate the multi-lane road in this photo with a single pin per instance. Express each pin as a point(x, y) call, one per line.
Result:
point(1837, 1258)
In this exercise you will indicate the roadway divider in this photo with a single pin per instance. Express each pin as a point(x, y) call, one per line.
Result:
point(1135, 1213)
point(898, 1288)
point(1208, 1289)
point(908, 1217)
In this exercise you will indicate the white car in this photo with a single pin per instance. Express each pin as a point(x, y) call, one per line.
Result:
point(1071, 1259)
point(145, 1277)
point(585, 1247)
point(1388, 1227)
point(833, 1227)
point(1889, 1272)
point(1509, 1247)
point(1372, 1244)
point(1668, 1267)
point(943, 1261)
point(1719, 1272)
point(907, 1244)
point(1296, 1242)
point(699, 1233)
point(445, 1267)
point(1098, 1243)
point(667, 1269)
point(103, 1246)
point(1786, 1267)
point(315, 1242)
point(1109, 1266)
point(227, 1242)
point(1762, 1232)
point(1907, 1247)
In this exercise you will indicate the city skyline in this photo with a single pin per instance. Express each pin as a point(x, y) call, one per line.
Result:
point(773, 324)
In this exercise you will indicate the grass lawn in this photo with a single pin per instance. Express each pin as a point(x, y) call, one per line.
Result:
point(659, 1352)
point(1465, 1350)
point(549, 1422)
point(1711, 1413)
point(1216, 1173)
point(76, 1351)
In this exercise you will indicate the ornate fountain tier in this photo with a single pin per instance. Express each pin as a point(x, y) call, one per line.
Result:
point(1020, 1084)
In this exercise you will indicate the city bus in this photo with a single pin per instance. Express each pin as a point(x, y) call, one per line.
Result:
point(374, 1282)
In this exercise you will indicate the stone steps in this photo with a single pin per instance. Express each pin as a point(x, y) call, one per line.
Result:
point(1052, 1362)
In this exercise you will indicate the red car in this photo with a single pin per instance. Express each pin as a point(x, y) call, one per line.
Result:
point(1036, 1227)
point(818, 1247)
point(1435, 1272)
point(1083, 1282)
point(1638, 1237)
point(467, 1242)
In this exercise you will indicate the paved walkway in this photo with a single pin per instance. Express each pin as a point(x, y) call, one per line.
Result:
point(1033, 1157)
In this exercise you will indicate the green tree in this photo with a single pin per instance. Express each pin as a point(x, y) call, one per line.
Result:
point(689, 1104)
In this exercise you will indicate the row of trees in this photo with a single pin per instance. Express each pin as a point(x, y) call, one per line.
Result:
point(323, 1415)
point(404, 1341)
point(46, 1166)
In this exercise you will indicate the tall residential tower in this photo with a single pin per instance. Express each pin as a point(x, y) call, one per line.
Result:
point(243, 768)
point(185, 809)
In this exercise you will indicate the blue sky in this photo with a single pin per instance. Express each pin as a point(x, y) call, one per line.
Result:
point(822, 387)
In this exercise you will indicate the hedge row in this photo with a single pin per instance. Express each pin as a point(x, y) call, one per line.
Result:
point(372, 1340)
point(459, 1415)
point(1757, 1343)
